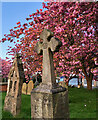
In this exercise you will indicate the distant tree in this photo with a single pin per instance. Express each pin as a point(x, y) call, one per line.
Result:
point(4, 68)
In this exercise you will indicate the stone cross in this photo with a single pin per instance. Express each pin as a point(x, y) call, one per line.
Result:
point(49, 45)
point(49, 100)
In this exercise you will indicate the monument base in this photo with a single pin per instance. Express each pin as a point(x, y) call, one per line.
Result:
point(12, 105)
point(49, 103)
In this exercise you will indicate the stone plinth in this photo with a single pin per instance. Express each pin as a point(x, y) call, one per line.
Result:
point(49, 103)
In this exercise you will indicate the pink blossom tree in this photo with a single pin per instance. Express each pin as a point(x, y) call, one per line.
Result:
point(74, 23)
point(4, 68)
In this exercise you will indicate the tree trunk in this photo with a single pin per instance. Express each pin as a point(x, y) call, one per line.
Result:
point(89, 84)
point(81, 81)
point(26, 88)
point(89, 78)
point(67, 83)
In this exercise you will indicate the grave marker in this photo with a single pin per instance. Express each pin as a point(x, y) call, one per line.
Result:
point(49, 45)
point(30, 87)
point(49, 100)
point(15, 80)
point(24, 88)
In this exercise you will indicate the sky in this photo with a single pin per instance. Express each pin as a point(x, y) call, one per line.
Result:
point(12, 11)
point(10, 14)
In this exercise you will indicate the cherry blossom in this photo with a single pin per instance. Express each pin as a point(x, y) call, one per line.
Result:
point(74, 23)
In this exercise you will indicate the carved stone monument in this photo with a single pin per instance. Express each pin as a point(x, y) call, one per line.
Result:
point(15, 80)
point(49, 100)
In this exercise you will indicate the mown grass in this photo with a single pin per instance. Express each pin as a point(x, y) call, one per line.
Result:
point(25, 107)
point(82, 104)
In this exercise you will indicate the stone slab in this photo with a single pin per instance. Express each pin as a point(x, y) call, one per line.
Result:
point(30, 87)
point(24, 88)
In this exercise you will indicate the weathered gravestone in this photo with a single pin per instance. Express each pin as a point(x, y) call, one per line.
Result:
point(15, 80)
point(24, 88)
point(30, 87)
point(49, 100)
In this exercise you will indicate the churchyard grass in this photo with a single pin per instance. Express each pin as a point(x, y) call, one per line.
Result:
point(25, 107)
point(82, 104)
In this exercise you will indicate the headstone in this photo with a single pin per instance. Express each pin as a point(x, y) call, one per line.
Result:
point(15, 80)
point(30, 87)
point(49, 100)
point(24, 88)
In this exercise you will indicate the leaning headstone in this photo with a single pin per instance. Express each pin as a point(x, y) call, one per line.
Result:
point(24, 88)
point(49, 100)
point(30, 87)
point(15, 80)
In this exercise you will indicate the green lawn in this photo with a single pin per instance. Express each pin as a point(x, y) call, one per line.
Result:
point(82, 104)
